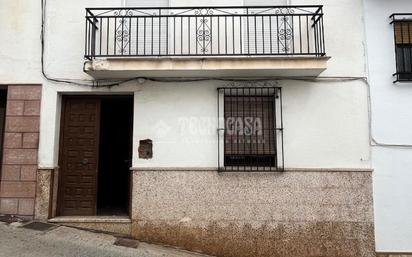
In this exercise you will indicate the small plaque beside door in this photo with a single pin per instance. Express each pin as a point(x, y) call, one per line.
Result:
point(145, 149)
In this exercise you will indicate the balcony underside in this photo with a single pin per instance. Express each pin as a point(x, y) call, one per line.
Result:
point(113, 68)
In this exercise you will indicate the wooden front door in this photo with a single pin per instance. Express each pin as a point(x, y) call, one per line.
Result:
point(79, 149)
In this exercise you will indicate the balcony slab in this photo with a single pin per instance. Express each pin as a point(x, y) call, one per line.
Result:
point(116, 68)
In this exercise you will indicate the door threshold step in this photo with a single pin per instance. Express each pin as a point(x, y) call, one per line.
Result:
point(90, 219)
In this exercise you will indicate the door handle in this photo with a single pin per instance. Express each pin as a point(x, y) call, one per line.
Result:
point(85, 161)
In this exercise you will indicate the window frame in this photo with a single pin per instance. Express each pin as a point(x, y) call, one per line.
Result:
point(403, 65)
point(262, 159)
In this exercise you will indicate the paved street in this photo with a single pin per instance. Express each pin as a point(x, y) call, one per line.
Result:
point(16, 241)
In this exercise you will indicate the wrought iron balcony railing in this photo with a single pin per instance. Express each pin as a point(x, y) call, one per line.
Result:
point(204, 31)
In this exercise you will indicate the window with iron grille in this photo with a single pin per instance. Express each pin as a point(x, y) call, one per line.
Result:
point(403, 46)
point(250, 129)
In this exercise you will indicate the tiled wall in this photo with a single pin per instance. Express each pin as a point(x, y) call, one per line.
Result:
point(21, 139)
point(281, 214)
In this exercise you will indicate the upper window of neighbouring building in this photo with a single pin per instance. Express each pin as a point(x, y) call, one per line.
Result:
point(402, 24)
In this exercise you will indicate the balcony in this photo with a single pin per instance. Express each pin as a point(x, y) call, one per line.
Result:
point(205, 41)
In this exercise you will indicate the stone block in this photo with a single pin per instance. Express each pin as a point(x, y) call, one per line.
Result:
point(31, 140)
point(22, 124)
point(10, 172)
point(24, 92)
point(13, 140)
point(32, 108)
point(20, 156)
point(8, 206)
point(26, 207)
point(43, 194)
point(17, 189)
point(15, 108)
point(28, 173)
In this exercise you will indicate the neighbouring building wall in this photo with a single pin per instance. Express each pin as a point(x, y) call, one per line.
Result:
point(320, 206)
point(20, 72)
point(21, 141)
point(391, 124)
point(20, 42)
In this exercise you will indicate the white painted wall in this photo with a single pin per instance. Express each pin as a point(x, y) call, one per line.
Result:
point(391, 124)
point(19, 41)
point(326, 123)
point(321, 128)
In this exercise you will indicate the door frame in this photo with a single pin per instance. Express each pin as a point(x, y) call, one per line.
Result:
point(63, 99)
point(59, 204)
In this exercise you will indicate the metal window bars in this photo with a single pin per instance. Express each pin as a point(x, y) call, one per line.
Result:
point(250, 130)
point(204, 31)
point(402, 23)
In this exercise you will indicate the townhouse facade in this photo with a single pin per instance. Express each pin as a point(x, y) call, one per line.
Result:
point(236, 128)
point(388, 34)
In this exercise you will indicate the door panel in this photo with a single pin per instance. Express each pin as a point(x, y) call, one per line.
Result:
point(79, 156)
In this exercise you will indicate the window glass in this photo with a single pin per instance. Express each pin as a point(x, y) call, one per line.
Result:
point(250, 134)
point(403, 48)
point(251, 119)
point(403, 32)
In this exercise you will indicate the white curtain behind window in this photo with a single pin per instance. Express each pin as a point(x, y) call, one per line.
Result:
point(147, 3)
point(265, 2)
point(151, 32)
point(259, 41)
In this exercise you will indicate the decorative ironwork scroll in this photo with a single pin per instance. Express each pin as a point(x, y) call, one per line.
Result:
point(203, 35)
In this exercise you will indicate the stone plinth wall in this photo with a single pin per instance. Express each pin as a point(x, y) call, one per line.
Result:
point(19, 160)
point(393, 255)
point(289, 214)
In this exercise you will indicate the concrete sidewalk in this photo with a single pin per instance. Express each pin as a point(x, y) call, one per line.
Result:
point(17, 241)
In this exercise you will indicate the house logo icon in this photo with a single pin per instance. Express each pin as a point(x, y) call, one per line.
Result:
point(162, 129)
